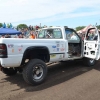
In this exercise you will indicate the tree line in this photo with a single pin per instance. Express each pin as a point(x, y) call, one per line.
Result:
point(81, 27)
point(18, 26)
point(25, 26)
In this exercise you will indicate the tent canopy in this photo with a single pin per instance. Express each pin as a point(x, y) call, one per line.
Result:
point(84, 30)
point(10, 31)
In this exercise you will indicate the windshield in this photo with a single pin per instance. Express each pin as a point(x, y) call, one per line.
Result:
point(50, 33)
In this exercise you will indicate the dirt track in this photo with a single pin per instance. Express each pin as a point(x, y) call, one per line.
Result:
point(67, 81)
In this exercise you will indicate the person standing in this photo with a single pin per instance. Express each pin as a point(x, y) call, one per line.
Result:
point(32, 36)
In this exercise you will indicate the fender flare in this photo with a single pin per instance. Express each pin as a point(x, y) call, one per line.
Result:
point(34, 47)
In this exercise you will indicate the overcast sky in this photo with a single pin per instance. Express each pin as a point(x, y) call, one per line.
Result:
point(70, 13)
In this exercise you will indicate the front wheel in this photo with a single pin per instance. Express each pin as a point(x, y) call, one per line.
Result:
point(35, 72)
point(89, 62)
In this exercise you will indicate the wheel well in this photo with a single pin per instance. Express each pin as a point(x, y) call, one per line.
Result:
point(36, 52)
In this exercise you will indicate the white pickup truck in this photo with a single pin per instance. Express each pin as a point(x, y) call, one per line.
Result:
point(53, 44)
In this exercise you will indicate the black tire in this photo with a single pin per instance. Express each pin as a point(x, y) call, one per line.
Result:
point(35, 72)
point(9, 71)
point(89, 62)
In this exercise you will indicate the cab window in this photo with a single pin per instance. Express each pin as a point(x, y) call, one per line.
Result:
point(50, 33)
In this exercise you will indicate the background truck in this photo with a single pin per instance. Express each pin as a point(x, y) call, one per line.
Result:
point(53, 44)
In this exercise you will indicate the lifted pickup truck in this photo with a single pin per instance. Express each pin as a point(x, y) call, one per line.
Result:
point(53, 44)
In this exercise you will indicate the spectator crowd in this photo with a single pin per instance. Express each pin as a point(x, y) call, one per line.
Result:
point(29, 32)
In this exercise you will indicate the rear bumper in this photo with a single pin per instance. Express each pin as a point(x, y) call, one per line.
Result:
point(11, 61)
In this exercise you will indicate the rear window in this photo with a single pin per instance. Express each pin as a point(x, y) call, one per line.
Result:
point(50, 33)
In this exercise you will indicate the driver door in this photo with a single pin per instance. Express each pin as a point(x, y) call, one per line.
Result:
point(91, 44)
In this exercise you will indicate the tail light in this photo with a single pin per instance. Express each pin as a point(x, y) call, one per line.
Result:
point(3, 51)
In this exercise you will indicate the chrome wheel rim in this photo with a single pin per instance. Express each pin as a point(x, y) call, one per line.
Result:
point(37, 72)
